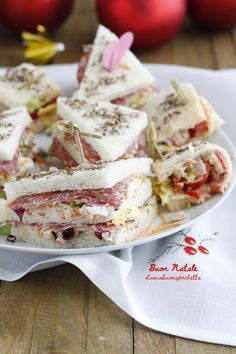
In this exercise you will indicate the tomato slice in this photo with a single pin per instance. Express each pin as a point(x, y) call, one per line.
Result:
point(198, 183)
point(199, 129)
point(193, 193)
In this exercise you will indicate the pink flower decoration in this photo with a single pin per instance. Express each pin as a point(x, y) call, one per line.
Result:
point(115, 50)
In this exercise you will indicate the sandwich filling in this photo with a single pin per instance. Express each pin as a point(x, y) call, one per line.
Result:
point(90, 205)
point(15, 144)
point(21, 162)
point(64, 148)
point(196, 181)
point(107, 214)
point(82, 234)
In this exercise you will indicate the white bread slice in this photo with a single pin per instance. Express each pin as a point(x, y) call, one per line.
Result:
point(7, 214)
point(26, 85)
point(124, 233)
point(119, 126)
point(87, 176)
point(12, 124)
point(100, 84)
point(175, 160)
point(169, 118)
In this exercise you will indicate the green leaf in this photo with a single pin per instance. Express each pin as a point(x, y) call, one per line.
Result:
point(3, 195)
point(5, 230)
point(24, 150)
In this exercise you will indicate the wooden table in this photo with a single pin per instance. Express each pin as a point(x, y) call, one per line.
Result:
point(59, 310)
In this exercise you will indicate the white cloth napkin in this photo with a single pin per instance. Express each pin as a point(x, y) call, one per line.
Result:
point(197, 303)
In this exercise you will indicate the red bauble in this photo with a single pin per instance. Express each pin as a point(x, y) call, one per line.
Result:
point(213, 14)
point(153, 22)
point(25, 15)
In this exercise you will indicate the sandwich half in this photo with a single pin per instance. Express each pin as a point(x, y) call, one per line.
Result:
point(15, 144)
point(129, 83)
point(90, 205)
point(191, 175)
point(180, 115)
point(121, 131)
point(26, 85)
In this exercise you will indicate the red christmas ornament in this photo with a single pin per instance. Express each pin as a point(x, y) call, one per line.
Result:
point(213, 14)
point(203, 249)
point(190, 250)
point(153, 22)
point(190, 240)
point(25, 15)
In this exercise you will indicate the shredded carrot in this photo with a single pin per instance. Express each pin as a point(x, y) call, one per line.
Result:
point(40, 160)
point(160, 212)
point(61, 214)
point(163, 227)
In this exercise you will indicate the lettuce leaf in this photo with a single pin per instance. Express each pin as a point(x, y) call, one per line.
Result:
point(5, 230)
point(163, 190)
point(3, 195)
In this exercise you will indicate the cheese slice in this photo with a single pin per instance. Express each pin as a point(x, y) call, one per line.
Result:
point(128, 76)
point(12, 124)
point(119, 126)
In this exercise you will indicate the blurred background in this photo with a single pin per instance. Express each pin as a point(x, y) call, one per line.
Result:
point(185, 32)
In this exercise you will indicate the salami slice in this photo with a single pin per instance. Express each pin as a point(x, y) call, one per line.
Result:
point(111, 196)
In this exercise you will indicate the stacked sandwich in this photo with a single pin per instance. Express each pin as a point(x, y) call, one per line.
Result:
point(119, 131)
point(26, 85)
point(90, 205)
point(129, 83)
point(192, 174)
point(179, 116)
point(15, 144)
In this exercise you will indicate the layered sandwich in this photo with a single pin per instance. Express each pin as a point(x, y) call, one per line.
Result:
point(180, 115)
point(129, 83)
point(90, 205)
point(191, 175)
point(119, 131)
point(15, 144)
point(26, 85)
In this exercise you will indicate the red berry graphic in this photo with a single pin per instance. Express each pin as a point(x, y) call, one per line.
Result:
point(190, 240)
point(203, 249)
point(190, 250)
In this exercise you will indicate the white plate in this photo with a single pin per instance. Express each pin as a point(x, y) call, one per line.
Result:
point(208, 84)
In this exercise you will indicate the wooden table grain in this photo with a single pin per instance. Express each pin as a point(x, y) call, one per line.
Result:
point(59, 310)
